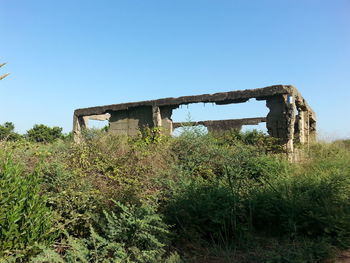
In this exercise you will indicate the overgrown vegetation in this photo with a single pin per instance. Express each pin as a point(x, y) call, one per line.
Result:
point(229, 197)
point(42, 133)
point(39, 133)
point(7, 132)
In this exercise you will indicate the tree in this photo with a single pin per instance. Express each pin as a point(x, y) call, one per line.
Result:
point(5, 75)
point(7, 132)
point(43, 133)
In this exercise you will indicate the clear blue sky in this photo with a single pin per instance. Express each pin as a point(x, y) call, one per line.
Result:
point(67, 54)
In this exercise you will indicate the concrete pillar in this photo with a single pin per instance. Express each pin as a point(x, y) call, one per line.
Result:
point(280, 120)
point(157, 118)
point(79, 124)
point(86, 122)
point(166, 121)
point(306, 127)
point(290, 116)
point(302, 132)
point(312, 130)
point(275, 120)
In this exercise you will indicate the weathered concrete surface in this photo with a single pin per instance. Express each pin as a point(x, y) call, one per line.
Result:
point(222, 124)
point(167, 122)
point(101, 117)
point(290, 118)
point(130, 121)
point(218, 98)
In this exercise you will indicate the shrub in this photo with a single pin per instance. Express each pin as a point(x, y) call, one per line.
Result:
point(119, 167)
point(261, 141)
point(314, 206)
point(343, 143)
point(43, 133)
point(209, 196)
point(210, 157)
point(73, 197)
point(200, 155)
point(139, 231)
point(135, 234)
point(297, 251)
point(7, 132)
point(207, 212)
point(25, 220)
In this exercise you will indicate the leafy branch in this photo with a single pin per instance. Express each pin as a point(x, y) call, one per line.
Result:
point(5, 75)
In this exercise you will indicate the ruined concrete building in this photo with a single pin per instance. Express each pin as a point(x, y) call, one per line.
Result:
point(290, 118)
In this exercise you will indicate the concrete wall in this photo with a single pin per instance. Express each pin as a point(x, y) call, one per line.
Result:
point(129, 122)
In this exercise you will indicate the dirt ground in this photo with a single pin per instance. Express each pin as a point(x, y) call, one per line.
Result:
point(344, 257)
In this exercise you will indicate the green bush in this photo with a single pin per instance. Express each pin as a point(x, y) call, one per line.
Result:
point(209, 197)
point(25, 220)
point(212, 156)
point(73, 197)
point(207, 212)
point(200, 155)
point(262, 142)
point(139, 231)
point(314, 206)
point(301, 250)
point(343, 143)
point(43, 133)
point(127, 234)
point(7, 132)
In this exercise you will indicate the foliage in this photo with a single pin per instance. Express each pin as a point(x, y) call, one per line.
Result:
point(261, 142)
point(73, 197)
point(7, 132)
point(138, 232)
point(150, 135)
point(315, 206)
point(299, 251)
point(25, 220)
point(210, 198)
point(43, 133)
point(207, 212)
point(343, 143)
point(192, 197)
point(129, 234)
point(120, 168)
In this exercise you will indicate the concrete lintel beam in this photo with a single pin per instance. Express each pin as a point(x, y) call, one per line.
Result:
point(222, 123)
point(219, 98)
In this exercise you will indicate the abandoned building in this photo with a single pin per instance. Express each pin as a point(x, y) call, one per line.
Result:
point(290, 118)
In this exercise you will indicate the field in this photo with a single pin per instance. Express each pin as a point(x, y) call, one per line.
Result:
point(230, 197)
